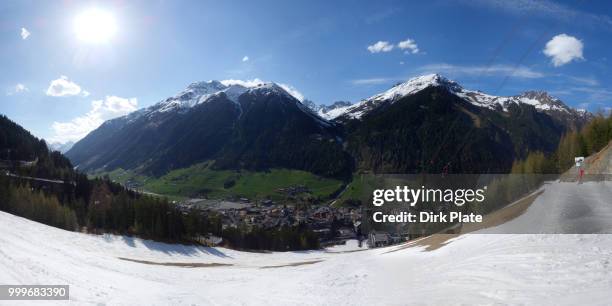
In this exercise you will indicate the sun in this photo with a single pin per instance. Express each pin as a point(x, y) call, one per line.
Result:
point(95, 26)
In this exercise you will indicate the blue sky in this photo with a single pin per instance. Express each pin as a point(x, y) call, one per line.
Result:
point(60, 86)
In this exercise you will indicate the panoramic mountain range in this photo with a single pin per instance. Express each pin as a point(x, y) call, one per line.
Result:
point(425, 124)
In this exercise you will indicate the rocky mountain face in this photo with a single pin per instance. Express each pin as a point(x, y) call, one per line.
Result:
point(426, 124)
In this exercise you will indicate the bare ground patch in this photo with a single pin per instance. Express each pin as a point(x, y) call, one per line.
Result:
point(178, 264)
point(295, 264)
point(498, 217)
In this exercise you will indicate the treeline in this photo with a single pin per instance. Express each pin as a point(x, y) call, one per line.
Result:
point(33, 204)
point(91, 205)
point(589, 140)
point(286, 238)
point(528, 174)
point(100, 206)
point(18, 145)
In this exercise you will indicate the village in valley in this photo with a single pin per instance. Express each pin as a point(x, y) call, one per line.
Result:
point(333, 225)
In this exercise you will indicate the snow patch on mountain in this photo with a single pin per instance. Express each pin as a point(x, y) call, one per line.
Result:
point(327, 111)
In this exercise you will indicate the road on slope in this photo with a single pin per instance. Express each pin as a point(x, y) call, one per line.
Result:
point(571, 205)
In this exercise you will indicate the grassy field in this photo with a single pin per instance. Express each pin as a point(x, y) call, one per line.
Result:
point(360, 188)
point(200, 180)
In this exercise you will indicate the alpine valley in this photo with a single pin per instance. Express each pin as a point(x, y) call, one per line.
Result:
point(427, 124)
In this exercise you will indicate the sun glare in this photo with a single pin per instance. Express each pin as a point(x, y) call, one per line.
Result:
point(95, 26)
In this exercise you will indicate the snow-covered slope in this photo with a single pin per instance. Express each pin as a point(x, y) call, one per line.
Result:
point(540, 100)
point(471, 269)
point(327, 111)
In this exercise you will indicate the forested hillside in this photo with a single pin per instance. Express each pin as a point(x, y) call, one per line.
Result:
point(589, 140)
point(18, 146)
point(434, 131)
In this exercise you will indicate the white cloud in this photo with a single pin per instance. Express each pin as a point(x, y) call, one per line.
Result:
point(246, 83)
point(563, 49)
point(409, 46)
point(101, 110)
point(19, 88)
point(63, 87)
point(595, 94)
point(589, 81)
point(372, 81)
point(455, 70)
point(245, 58)
point(25, 33)
point(291, 90)
point(380, 46)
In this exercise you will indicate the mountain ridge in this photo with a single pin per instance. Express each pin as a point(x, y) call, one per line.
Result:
point(260, 126)
point(539, 99)
point(256, 127)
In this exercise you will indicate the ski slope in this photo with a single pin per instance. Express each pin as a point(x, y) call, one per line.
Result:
point(470, 269)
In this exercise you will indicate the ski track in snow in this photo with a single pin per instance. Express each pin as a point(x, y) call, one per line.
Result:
point(535, 269)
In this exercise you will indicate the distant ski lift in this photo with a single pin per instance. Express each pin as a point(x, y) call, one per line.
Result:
point(579, 161)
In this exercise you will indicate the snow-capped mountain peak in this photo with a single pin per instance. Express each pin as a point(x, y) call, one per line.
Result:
point(195, 93)
point(415, 85)
point(60, 147)
point(270, 88)
point(328, 111)
point(205, 87)
point(201, 92)
point(542, 101)
point(395, 93)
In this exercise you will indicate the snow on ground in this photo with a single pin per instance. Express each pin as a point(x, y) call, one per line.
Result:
point(350, 246)
point(472, 269)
